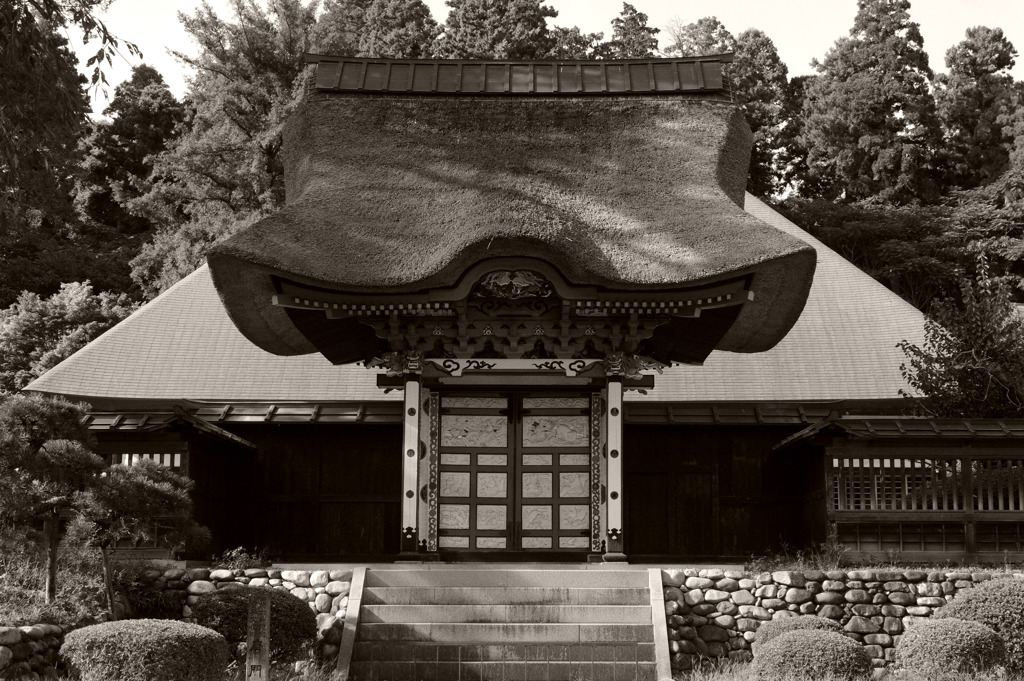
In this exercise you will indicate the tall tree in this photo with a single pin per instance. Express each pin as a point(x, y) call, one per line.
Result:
point(870, 124)
point(398, 28)
point(496, 29)
point(760, 83)
point(339, 27)
point(705, 36)
point(37, 333)
point(145, 116)
point(226, 169)
point(972, 99)
point(632, 38)
point(45, 463)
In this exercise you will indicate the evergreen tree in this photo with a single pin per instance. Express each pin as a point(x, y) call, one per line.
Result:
point(571, 43)
point(496, 29)
point(339, 27)
point(760, 83)
point(145, 115)
point(972, 100)
point(632, 38)
point(45, 464)
point(703, 37)
point(870, 124)
point(226, 169)
point(398, 28)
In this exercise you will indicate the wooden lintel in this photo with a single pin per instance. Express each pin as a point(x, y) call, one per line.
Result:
point(361, 414)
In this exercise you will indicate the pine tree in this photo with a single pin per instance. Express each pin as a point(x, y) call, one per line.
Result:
point(496, 29)
point(571, 43)
point(398, 28)
point(973, 99)
point(632, 38)
point(870, 124)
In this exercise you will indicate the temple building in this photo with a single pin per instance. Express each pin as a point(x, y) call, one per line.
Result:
point(526, 311)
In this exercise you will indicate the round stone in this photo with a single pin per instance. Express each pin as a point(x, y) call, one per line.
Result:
point(725, 621)
point(673, 594)
point(832, 612)
point(798, 596)
point(715, 596)
point(9, 636)
point(693, 597)
point(672, 577)
point(255, 573)
point(857, 596)
point(319, 578)
point(6, 657)
point(296, 577)
point(861, 625)
point(789, 578)
point(323, 603)
point(222, 575)
point(699, 583)
point(743, 597)
point(727, 584)
point(727, 608)
point(304, 593)
point(710, 633)
point(197, 574)
point(259, 581)
point(201, 586)
point(899, 598)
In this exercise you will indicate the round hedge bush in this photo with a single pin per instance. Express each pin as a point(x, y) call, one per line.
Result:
point(774, 628)
point(811, 654)
point(936, 647)
point(999, 605)
point(146, 650)
point(292, 622)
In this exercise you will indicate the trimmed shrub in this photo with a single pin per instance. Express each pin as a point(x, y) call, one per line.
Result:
point(935, 647)
point(292, 622)
point(999, 605)
point(811, 654)
point(774, 628)
point(146, 650)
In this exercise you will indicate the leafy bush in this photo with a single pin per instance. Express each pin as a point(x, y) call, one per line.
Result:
point(999, 605)
point(240, 559)
point(292, 622)
point(811, 654)
point(936, 647)
point(775, 628)
point(145, 592)
point(146, 650)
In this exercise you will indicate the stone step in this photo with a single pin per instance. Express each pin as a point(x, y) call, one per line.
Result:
point(509, 578)
point(578, 614)
point(503, 671)
point(453, 595)
point(491, 633)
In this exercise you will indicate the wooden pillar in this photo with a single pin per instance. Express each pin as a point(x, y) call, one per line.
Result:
point(410, 464)
point(615, 482)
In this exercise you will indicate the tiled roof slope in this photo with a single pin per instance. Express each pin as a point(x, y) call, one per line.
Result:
point(183, 346)
point(842, 347)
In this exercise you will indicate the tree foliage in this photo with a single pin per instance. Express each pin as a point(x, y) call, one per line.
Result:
point(632, 38)
point(870, 124)
point(705, 36)
point(36, 333)
point(974, 102)
point(496, 29)
point(972, 361)
point(45, 464)
point(398, 28)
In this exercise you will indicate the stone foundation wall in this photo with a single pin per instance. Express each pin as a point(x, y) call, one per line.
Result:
point(30, 652)
point(716, 614)
point(325, 591)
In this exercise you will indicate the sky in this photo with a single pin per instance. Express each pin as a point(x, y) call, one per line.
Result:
point(801, 29)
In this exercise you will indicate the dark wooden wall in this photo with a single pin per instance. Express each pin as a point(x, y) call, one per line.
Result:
point(323, 492)
point(706, 492)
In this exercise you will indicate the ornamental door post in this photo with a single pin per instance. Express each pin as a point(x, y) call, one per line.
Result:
point(614, 438)
point(410, 464)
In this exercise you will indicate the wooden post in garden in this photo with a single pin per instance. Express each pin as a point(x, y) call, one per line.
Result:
point(257, 640)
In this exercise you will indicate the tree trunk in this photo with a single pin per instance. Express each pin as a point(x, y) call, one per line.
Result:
point(108, 582)
point(51, 531)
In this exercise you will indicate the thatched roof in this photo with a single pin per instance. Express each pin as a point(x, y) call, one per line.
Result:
point(401, 194)
point(182, 346)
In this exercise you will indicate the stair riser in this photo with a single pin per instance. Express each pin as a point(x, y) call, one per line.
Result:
point(503, 596)
point(506, 633)
point(509, 578)
point(610, 614)
point(503, 671)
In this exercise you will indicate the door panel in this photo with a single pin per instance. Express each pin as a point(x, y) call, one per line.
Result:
point(514, 474)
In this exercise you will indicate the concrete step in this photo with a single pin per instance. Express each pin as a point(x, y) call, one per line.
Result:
point(507, 662)
point(509, 578)
point(454, 595)
point(492, 633)
point(578, 614)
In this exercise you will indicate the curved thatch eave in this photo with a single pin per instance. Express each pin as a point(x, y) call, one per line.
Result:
point(400, 195)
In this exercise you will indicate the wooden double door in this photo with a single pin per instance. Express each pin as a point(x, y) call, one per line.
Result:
point(516, 474)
